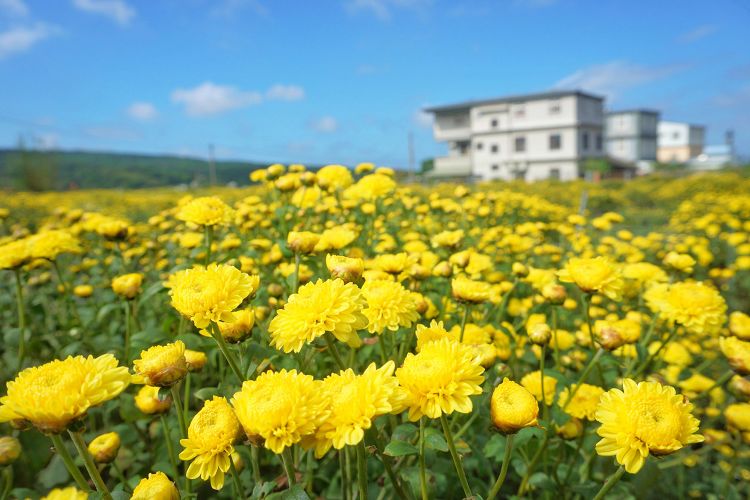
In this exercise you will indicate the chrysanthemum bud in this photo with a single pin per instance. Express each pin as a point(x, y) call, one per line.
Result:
point(147, 400)
point(83, 291)
point(307, 178)
point(737, 353)
point(156, 487)
point(302, 242)
point(346, 268)
point(10, 450)
point(609, 338)
point(740, 385)
point(162, 365)
point(554, 294)
point(104, 447)
point(239, 329)
point(570, 429)
point(127, 285)
point(540, 334)
point(466, 290)
point(519, 270)
point(275, 290)
point(443, 269)
point(195, 360)
point(512, 407)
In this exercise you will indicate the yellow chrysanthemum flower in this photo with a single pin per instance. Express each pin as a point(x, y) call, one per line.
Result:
point(596, 274)
point(739, 324)
point(210, 442)
point(155, 487)
point(324, 306)
point(206, 294)
point(738, 416)
point(737, 353)
point(280, 408)
point(14, 254)
point(466, 290)
point(69, 493)
point(644, 273)
point(348, 269)
point(334, 177)
point(513, 407)
point(644, 418)
point(389, 306)
point(440, 379)
point(697, 307)
point(49, 244)
point(162, 365)
point(53, 395)
point(206, 211)
point(127, 285)
point(239, 329)
point(147, 400)
point(435, 331)
point(533, 383)
point(354, 402)
point(584, 402)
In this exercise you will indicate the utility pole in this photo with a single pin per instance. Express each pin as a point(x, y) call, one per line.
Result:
point(211, 166)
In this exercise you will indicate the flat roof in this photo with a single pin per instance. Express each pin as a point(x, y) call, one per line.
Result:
point(633, 110)
point(553, 94)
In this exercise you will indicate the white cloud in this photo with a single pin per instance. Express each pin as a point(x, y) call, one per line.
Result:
point(615, 77)
point(21, 39)
point(422, 119)
point(117, 10)
point(325, 125)
point(14, 8)
point(142, 111)
point(47, 141)
point(280, 92)
point(697, 33)
point(211, 99)
point(383, 9)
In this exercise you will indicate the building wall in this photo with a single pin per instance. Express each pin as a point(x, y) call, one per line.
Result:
point(677, 154)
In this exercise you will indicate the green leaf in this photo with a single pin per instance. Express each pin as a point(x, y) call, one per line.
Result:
point(495, 447)
point(399, 449)
point(405, 432)
point(150, 292)
point(55, 473)
point(205, 393)
point(435, 440)
point(296, 492)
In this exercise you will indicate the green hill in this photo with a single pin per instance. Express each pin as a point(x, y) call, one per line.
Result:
point(61, 170)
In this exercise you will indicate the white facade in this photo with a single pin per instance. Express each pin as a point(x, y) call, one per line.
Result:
point(632, 136)
point(531, 137)
point(679, 142)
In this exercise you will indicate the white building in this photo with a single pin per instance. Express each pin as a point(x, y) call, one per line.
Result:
point(531, 137)
point(631, 136)
point(680, 142)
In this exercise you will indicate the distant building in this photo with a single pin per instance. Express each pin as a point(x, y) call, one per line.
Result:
point(716, 156)
point(532, 137)
point(679, 142)
point(631, 136)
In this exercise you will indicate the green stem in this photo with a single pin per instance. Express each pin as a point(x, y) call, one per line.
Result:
point(178, 409)
point(334, 351)
point(422, 471)
point(7, 482)
point(170, 446)
point(454, 456)
point(586, 306)
point(503, 470)
point(128, 328)
point(255, 464)
point(21, 319)
point(362, 470)
point(463, 321)
point(297, 259)
point(387, 464)
point(216, 334)
point(653, 355)
point(286, 461)
point(88, 461)
point(75, 473)
point(344, 480)
point(186, 400)
point(236, 479)
point(72, 309)
point(719, 382)
point(121, 476)
point(532, 464)
point(610, 483)
point(558, 365)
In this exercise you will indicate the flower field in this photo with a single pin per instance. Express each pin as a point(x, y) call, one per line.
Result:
point(340, 334)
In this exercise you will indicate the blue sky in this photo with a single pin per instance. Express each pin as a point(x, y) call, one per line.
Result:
point(344, 80)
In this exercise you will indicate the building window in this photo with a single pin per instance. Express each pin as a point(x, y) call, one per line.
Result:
point(554, 173)
point(494, 148)
point(495, 167)
point(675, 135)
point(520, 144)
point(598, 142)
point(493, 123)
point(555, 141)
point(519, 174)
point(479, 146)
point(585, 141)
point(554, 108)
